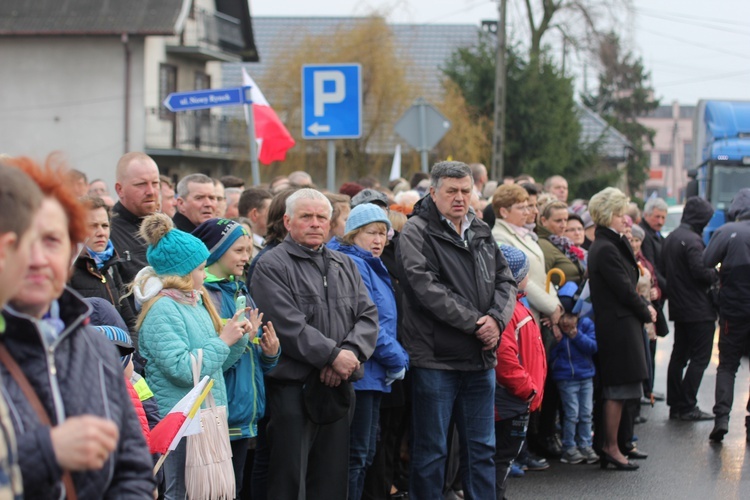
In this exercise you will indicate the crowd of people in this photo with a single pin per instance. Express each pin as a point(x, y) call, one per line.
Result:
point(426, 339)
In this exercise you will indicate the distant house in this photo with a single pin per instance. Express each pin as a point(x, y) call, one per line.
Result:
point(87, 78)
point(672, 153)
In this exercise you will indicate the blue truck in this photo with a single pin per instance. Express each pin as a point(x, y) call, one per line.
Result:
point(721, 151)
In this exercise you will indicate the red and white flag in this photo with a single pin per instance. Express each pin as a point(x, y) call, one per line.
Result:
point(182, 420)
point(273, 138)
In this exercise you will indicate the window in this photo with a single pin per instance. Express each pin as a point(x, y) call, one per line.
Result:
point(688, 154)
point(202, 82)
point(665, 159)
point(167, 85)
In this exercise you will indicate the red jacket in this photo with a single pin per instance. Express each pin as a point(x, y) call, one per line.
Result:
point(521, 360)
point(139, 411)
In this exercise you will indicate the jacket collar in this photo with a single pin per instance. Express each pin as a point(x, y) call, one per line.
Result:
point(126, 214)
point(74, 312)
point(426, 209)
point(295, 249)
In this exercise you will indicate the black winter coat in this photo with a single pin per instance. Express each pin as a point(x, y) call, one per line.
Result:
point(105, 283)
point(682, 263)
point(651, 248)
point(129, 245)
point(730, 246)
point(449, 283)
point(619, 312)
point(79, 374)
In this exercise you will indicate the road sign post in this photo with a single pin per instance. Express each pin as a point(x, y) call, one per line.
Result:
point(422, 126)
point(331, 106)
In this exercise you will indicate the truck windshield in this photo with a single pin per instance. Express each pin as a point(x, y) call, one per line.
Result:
point(726, 182)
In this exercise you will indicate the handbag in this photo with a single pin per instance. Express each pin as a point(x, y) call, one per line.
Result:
point(23, 382)
point(208, 466)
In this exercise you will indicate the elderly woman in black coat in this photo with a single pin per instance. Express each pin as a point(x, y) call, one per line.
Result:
point(619, 316)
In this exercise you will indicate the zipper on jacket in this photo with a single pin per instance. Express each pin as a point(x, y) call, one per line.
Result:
point(570, 359)
point(325, 285)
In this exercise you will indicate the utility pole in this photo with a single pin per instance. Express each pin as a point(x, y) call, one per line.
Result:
point(498, 137)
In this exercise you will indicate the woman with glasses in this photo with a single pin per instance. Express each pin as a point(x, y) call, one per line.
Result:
point(511, 205)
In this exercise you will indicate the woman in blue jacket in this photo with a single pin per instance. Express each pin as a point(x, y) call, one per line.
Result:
point(230, 246)
point(365, 238)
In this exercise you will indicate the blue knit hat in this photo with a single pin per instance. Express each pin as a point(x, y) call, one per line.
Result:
point(171, 252)
point(219, 235)
point(517, 262)
point(121, 339)
point(364, 214)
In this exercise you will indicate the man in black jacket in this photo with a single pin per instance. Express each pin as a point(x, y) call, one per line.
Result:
point(728, 247)
point(654, 217)
point(459, 296)
point(690, 308)
point(137, 187)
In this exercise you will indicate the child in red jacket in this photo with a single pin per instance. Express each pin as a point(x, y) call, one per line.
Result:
point(520, 373)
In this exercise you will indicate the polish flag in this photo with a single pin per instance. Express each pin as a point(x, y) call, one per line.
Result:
point(182, 420)
point(273, 138)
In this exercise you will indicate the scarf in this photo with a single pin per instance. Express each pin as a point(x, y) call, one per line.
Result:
point(100, 258)
point(190, 298)
point(567, 247)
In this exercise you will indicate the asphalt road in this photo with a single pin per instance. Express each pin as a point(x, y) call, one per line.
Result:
point(682, 462)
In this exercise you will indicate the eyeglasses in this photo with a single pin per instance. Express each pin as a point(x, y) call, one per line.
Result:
point(574, 230)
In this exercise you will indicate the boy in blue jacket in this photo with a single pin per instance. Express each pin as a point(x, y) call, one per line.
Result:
point(230, 247)
point(572, 367)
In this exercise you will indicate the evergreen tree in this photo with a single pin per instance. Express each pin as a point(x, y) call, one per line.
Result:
point(623, 95)
point(542, 127)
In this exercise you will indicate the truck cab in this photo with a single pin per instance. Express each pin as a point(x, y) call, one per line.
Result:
point(721, 138)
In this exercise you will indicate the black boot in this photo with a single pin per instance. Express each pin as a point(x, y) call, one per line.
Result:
point(721, 427)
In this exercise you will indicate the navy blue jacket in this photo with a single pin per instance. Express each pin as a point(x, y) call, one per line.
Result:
point(388, 354)
point(571, 358)
point(79, 374)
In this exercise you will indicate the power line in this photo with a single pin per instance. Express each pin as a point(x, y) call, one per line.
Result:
point(705, 79)
point(700, 24)
point(699, 45)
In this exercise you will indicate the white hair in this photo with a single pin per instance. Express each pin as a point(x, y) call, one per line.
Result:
point(655, 204)
point(407, 198)
point(305, 194)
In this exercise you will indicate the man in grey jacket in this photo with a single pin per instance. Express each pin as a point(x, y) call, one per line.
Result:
point(459, 296)
point(327, 326)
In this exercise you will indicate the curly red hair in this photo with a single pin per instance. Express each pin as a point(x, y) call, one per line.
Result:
point(54, 181)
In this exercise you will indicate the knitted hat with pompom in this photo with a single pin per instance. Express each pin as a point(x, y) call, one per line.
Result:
point(171, 252)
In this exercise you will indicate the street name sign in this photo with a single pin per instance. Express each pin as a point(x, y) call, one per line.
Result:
point(202, 99)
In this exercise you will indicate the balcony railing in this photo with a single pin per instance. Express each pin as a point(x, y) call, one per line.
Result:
point(197, 132)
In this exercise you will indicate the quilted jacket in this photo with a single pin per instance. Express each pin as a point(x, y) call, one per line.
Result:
point(80, 373)
point(170, 333)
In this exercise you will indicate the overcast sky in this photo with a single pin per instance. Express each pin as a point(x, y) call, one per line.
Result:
point(694, 49)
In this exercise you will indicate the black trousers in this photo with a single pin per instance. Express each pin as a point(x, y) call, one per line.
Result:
point(380, 474)
point(306, 460)
point(509, 437)
point(734, 340)
point(693, 343)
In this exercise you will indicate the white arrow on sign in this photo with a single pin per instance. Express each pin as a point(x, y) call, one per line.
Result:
point(317, 128)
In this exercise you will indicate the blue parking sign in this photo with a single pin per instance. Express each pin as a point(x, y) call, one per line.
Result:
point(331, 101)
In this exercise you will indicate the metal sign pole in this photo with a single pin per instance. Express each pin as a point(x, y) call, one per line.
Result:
point(255, 168)
point(331, 166)
point(423, 133)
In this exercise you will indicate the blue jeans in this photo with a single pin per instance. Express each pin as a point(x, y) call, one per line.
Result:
point(363, 439)
point(174, 472)
point(467, 398)
point(578, 402)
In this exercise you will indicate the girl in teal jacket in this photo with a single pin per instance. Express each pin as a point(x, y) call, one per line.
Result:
point(230, 247)
point(175, 322)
